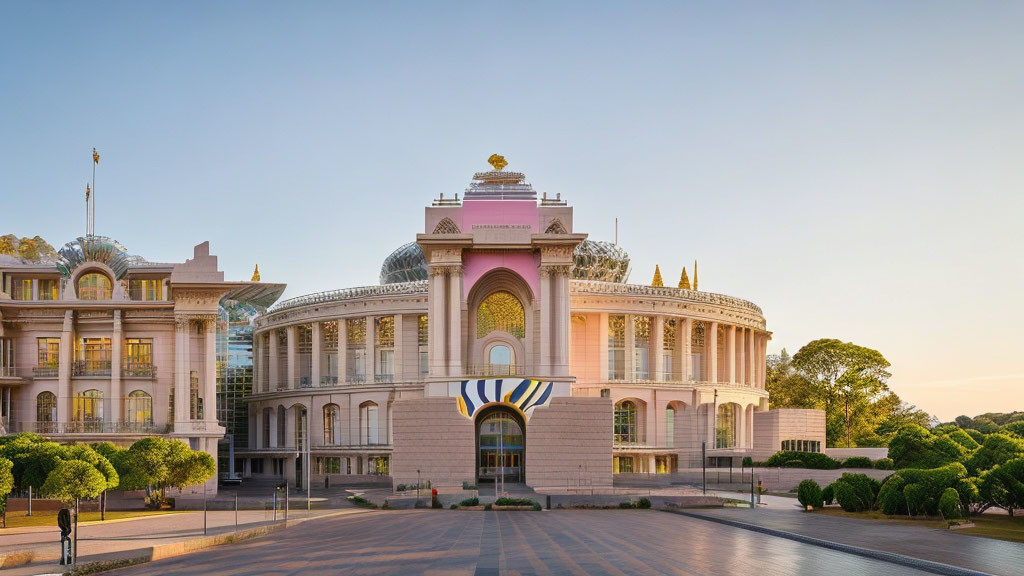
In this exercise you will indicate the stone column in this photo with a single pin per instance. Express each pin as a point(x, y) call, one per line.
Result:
point(290, 417)
point(657, 343)
point(342, 350)
point(730, 351)
point(602, 346)
point(711, 341)
point(181, 373)
point(116, 391)
point(35, 289)
point(545, 332)
point(399, 348)
point(437, 324)
point(64, 392)
point(274, 376)
point(630, 347)
point(210, 365)
point(741, 356)
point(751, 359)
point(687, 349)
point(455, 321)
point(741, 427)
point(370, 364)
point(273, 427)
point(293, 357)
point(314, 374)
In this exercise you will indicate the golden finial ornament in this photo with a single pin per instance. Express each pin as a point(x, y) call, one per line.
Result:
point(256, 274)
point(87, 192)
point(694, 274)
point(684, 280)
point(657, 282)
point(498, 161)
point(95, 156)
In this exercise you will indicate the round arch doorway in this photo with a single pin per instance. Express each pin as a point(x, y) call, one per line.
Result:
point(501, 445)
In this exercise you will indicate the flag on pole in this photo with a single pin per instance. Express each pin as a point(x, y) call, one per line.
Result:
point(95, 156)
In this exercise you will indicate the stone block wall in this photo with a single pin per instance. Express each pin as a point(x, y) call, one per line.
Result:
point(430, 435)
point(773, 426)
point(569, 443)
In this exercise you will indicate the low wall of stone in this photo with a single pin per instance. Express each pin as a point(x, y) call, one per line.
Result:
point(844, 453)
point(431, 436)
point(569, 444)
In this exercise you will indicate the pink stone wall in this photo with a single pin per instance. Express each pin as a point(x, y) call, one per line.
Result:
point(431, 436)
point(501, 212)
point(569, 444)
point(476, 264)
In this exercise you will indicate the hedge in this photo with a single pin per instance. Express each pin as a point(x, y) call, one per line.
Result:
point(929, 486)
point(890, 498)
point(916, 497)
point(809, 494)
point(949, 504)
point(884, 464)
point(828, 495)
point(857, 462)
point(846, 496)
point(811, 460)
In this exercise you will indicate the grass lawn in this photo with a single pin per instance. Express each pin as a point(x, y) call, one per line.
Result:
point(49, 518)
point(987, 525)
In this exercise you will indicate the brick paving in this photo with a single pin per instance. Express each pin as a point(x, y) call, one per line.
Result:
point(578, 542)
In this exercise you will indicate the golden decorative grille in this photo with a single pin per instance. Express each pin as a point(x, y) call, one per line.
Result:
point(305, 338)
point(642, 329)
point(422, 330)
point(669, 340)
point(617, 331)
point(501, 311)
point(329, 333)
point(385, 333)
point(697, 338)
point(356, 332)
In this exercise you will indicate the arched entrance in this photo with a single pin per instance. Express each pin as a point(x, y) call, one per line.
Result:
point(501, 445)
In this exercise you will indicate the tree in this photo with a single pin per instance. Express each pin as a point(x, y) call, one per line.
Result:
point(786, 388)
point(1003, 486)
point(996, 450)
point(915, 447)
point(188, 467)
point(845, 376)
point(6, 484)
point(72, 480)
point(146, 464)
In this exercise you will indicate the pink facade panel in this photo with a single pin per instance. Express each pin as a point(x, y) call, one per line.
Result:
point(476, 264)
point(499, 212)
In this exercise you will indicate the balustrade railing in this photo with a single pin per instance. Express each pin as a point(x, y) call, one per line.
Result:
point(138, 370)
point(496, 370)
point(90, 368)
point(45, 371)
point(94, 427)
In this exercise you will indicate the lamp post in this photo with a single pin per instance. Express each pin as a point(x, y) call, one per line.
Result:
point(417, 485)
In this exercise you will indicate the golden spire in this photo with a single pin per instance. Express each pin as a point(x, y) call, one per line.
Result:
point(657, 278)
point(95, 156)
point(256, 274)
point(498, 161)
point(684, 280)
point(695, 274)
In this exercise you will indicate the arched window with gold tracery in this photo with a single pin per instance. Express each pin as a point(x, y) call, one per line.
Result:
point(501, 311)
point(94, 286)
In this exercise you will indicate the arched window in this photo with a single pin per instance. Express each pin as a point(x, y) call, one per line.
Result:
point(46, 407)
point(280, 426)
point(501, 311)
point(138, 409)
point(330, 424)
point(500, 354)
point(725, 426)
point(88, 407)
point(625, 422)
point(368, 423)
point(94, 286)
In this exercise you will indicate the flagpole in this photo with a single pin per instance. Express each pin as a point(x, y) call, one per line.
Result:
point(92, 218)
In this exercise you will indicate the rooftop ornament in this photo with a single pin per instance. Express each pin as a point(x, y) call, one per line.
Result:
point(100, 249)
point(600, 261)
point(406, 264)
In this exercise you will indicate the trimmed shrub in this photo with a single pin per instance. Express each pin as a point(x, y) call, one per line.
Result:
point(864, 487)
point(811, 460)
point(890, 498)
point(883, 464)
point(960, 437)
point(470, 502)
point(453, 507)
point(506, 501)
point(915, 495)
point(857, 462)
point(794, 463)
point(997, 449)
point(809, 494)
point(626, 504)
point(748, 462)
point(933, 482)
point(643, 503)
point(970, 496)
point(1016, 428)
point(979, 437)
point(949, 504)
point(827, 495)
point(846, 496)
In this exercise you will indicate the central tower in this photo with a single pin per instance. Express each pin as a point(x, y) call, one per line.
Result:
point(499, 265)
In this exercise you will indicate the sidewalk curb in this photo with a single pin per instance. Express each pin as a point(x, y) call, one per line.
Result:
point(54, 528)
point(172, 549)
point(890, 557)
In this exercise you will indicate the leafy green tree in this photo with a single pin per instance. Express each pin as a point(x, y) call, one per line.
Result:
point(1003, 486)
point(146, 464)
point(74, 479)
point(846, 377)
point(1016, 428)
point(188, 467)
point(915, 447)
point(997, 449)
point(6, 484)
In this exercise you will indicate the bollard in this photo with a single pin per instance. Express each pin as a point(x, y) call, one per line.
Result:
point(236, 510)
point(275, 504)
point(286, 499)
point(549, 502)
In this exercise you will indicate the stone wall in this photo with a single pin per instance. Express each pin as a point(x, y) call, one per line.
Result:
point(569, 443)
point(430, 435)
point(844, 453)
point(771, 427)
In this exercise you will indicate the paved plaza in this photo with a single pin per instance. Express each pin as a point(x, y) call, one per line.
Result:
point(584, 542)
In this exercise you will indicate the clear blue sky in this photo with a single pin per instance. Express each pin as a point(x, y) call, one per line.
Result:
point(854, 168)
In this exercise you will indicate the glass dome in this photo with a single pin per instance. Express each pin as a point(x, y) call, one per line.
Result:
point(601, 261)
point(96, 249)
point(407, 264)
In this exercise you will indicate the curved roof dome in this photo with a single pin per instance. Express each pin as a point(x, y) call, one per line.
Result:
point(602, 261)
point(406, 264)
point(96, 249)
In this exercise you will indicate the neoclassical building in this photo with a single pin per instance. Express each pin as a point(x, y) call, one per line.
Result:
point(98, 345)
point(503, 343)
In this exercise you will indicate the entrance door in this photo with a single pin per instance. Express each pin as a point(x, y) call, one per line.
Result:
point(501, 446)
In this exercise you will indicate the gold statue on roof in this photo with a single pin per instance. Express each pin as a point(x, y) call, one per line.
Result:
point(498, 161)
point(256, 274)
